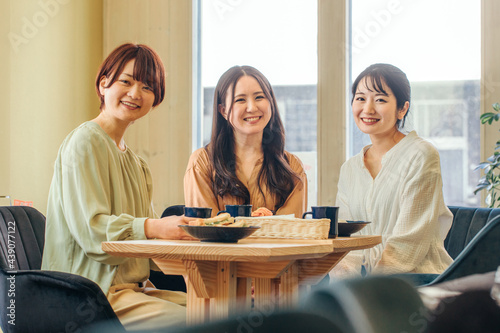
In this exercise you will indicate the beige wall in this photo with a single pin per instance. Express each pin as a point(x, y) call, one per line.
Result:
point(490, 73)
point(490, 76)
point(52, 56)
point(332, 32)
point(5, 98)
point(163, 137)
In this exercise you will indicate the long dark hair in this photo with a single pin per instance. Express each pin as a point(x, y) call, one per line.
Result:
point(394, 78)
point(276, 172)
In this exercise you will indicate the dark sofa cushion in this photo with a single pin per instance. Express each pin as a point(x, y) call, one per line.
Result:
point(41, 301)
point(467, 221)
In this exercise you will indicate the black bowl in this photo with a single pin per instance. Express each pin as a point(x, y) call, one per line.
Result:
point(350, 227)
point(219, 234)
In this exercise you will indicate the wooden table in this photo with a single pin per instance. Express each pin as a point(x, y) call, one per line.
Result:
point(218, 275)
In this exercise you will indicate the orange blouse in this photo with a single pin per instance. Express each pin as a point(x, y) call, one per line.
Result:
point(198, 187)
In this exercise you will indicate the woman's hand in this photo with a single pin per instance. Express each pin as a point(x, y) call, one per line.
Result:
point(167, 228)
point(262, 211)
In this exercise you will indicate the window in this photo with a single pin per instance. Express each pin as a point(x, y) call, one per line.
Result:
point(277, 37)
point(438, 46)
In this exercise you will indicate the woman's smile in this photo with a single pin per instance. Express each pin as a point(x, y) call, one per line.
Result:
point(130, 105)
point(253, 119)
point(369, 120)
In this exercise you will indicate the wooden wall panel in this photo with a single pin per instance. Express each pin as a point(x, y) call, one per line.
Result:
point(163, 137)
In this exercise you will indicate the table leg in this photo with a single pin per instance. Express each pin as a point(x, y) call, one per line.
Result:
point(244, 294)
point(289, 287)
point(224, 302)
point(275, 290)
point(263, 295)
point(197, 308)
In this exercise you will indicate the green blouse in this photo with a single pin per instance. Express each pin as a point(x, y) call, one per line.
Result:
point(98, 193)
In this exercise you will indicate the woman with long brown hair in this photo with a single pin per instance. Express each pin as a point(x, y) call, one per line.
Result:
point(245, 161)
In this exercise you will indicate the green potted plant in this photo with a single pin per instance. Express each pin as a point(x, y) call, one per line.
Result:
point(490, 182)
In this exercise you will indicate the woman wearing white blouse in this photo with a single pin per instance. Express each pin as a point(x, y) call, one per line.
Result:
point(395, 183)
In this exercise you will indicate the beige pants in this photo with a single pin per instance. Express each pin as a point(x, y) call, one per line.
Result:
point(147, 307)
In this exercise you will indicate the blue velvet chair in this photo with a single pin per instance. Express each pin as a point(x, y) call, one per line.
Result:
point(473, 242)
point(36, 300)
point(467, 222)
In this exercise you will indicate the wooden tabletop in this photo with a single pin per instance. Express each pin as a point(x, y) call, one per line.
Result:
point(249, 249)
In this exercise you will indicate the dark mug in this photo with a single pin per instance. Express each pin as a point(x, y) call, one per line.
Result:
point(326, 212)
point(199, 212)
point(237, 210)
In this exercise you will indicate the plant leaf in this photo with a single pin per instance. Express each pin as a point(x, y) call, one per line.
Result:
point(493, 158)
point(478, 189)
point(487, 117)
point(482, 165)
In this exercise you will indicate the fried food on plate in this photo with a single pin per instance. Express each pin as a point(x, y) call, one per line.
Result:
point(240, 223)
point(222, 220)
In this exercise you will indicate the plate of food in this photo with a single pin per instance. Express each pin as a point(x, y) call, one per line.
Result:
point(221, 228)
point(346, 228)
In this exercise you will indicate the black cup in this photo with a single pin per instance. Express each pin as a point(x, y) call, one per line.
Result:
point(237, 210)
point(199, 212)
point(326, 212)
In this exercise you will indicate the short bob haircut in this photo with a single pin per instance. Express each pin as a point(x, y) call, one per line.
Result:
point(148, 69)
point(392, 77)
